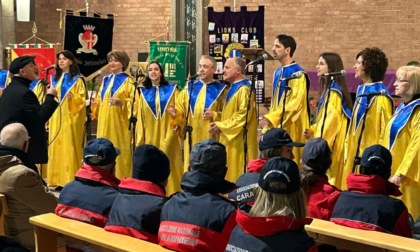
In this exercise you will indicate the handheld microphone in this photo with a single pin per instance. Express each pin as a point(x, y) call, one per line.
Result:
point(258, 60)
point(49, 68)
point(296, 75)
point(194, 76)
point(341, 73)
point(382, 92)
point(96, 75)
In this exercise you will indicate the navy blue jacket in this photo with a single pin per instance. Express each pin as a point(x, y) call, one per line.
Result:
point(136, 210)
point(269, 234)
point(198, 219)
point(89, 197)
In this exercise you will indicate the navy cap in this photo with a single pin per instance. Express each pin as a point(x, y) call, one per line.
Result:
point(150, 164)
point(376, 159)
point(277, 137)
point(317, 155)
point(100, 152)
point(20, 62)
point(209, 157)
point(280, 175)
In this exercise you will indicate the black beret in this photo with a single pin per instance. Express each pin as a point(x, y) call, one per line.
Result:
point(20, 62)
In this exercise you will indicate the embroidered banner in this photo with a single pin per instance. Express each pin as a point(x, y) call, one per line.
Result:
point(90, 39)
point(230, 32)
point(45, 56)
point(173, 58)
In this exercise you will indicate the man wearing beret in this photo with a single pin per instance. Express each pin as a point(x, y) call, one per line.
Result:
point(19, 104)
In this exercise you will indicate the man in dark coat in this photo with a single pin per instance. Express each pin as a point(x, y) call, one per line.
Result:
point(19, 104)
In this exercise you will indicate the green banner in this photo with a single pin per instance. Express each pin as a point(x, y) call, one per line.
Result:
point(173, 58)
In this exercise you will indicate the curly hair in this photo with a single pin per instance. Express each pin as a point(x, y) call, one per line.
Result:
point(375, 63)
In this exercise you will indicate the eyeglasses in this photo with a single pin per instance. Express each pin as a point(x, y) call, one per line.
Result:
point(403, 81)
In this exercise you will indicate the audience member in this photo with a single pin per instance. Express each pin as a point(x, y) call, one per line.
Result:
point(136, 210)
point(275, 142)
point(199, 219)
point(276, 221)
point(26, 193)
point(90, 196)
point(19, 104)
point(321, 196)
point(367, 205)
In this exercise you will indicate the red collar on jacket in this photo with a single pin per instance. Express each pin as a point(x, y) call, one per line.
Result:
point(371, 184)
point(264, 226)
point(97, 174)
point(142, 186)
point(256, 165)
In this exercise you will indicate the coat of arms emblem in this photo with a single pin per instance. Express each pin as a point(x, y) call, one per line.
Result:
point(88, 40)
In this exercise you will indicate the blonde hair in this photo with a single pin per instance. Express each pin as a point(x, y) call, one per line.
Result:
point(412, 73)
point(269, 204)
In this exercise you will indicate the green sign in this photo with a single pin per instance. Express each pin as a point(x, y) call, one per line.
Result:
point(173, 58)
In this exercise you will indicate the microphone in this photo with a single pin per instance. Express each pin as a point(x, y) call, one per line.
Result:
point(49, 68)
point(194, 76)
point(134, 71)
point(296, 75)
point(258, 60)
point(341, 73)
point(96, 75)
point(382, 92)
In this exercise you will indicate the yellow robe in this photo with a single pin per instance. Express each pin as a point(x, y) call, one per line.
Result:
point(200, 126)
point(231, 126)
point(113, 121)
point(153, 128)
point(66, 134)
point(296, 111)
point(39, 90)
point(406, 159)
point(379, 112)
point(334, 133)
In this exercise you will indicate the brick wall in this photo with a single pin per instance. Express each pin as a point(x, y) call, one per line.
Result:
point(342, 26)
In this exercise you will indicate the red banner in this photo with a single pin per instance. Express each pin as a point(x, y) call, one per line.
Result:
point(45, 57)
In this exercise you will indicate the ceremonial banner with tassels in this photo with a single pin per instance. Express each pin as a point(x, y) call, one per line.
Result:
point(173, 58)
point(45, 55)
point(90, 40)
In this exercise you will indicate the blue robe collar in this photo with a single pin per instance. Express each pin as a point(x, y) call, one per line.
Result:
point(119, 79)
point(334, 86)
point(234, 87)
point(213, 91)
point(401, 117)
point(364, 103)
point(66, 84)
point(165, 94)
point(33, 84)
point(283, 72)
point(3, 78)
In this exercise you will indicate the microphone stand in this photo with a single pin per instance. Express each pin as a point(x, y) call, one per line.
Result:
point(326, 103)
point(248, 107)
point(133, 119)
point(188, 128)
point(356, 160)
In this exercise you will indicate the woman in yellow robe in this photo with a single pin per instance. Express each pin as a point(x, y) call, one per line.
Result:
point(113, 109)
point(334, 113)
point(153, 126)
point(372, 109)
point(402, 138)
point(66, 126)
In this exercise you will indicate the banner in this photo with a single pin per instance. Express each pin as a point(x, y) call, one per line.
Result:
point(172, 56)
point(230, 32)
point(44, 53)
point(90, 40)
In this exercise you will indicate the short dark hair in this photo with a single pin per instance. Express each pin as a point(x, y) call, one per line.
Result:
point(287, 41)
point(375, 63)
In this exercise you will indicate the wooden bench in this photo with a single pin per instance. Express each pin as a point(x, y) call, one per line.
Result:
point(327, 232)
point(48, 227)
point(3, 212)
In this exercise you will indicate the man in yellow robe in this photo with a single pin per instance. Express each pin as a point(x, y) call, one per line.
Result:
point(202, 95)
point(372, 109)
point(289, 103)
point(238, 115)
point(112, 107)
